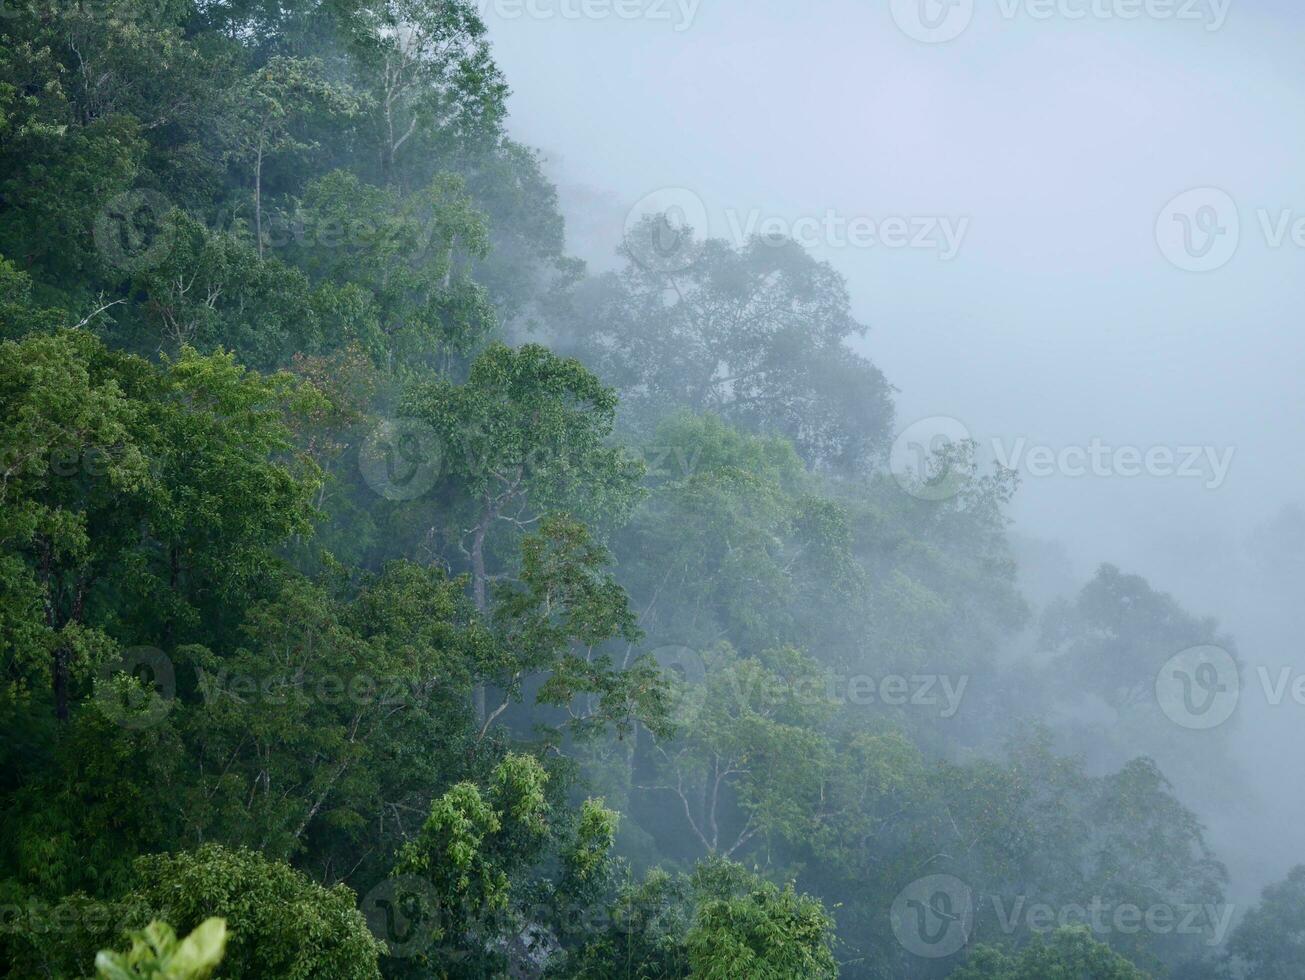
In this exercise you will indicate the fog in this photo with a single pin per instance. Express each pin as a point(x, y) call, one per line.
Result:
point(597, 489)
point(1059, 320)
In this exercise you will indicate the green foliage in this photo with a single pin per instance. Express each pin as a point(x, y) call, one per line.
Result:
point(527, 434)
point(212, 291)
point(749, 759)
point(1266, 945)
point(1069, 954)
point(389, 267)
point(138, 499)
point(721, 921)
point(735, 539)
point(281, 923)
point(769, 933)
point(238, 679)
point(757, 334)
point(524, 436)
point(556, 620)
point(1113, 638)
point(588, 857)
point(1107, 647)
point(302, 733)
point(156, 952)
point(474, 850)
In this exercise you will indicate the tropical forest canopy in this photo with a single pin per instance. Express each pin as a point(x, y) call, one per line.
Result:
point(383, 594)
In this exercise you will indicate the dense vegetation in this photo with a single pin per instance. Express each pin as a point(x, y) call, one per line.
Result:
point(379, 583)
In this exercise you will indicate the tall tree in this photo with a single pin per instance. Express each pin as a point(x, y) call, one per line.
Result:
point(526, 434)
point(759, 334)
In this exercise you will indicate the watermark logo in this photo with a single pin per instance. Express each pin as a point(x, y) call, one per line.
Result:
point(940, 234)
point(687, 672)
point(693, 679)
point(111, 11)
point(660, 229)
point(939, 21)
point(132, 232)
point(400, 458)
point(1199, 230)
point(361, 690)
point(72, 915)
point(1210, 14)
point(147, 696)
point(1100, 459)
point(1288, 682)
point(933, 21)
point(933, 458)
point(1106, 918)
point(1199, 688)
point(922, 460)
point(933, 917)
point(680, 14)
point(402, 912)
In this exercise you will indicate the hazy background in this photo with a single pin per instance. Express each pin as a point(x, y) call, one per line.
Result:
point(1059, 320)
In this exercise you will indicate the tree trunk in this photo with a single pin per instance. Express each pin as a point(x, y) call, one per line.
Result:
point(258, 197)
point(478, 592)
point(59, 671)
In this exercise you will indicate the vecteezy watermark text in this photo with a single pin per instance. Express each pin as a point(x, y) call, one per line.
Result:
point(933, 917)
point(680, 14)
point(939, 21)
point(679, 219)
point(932, 233)
point(927, 463)
point(1098, 458)
point(1106, 917)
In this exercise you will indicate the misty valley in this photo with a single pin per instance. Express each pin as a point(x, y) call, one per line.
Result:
point(635, 490)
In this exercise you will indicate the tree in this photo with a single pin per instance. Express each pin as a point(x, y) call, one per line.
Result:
point(281, 922)
point(1068, 953)
point(427, 68)
point(735, 541)
point(87, 521)
point(1118, 632)
point(271, 100)
point(722, 921)
point(748, 762)
point(122, 109)
point(1128, 663)
point(524, 436)
point(554, 622)
point(156, 952)
point(302, 735)
point(278, 923)
point(213, 291)
point(757, 334)
point(401, 258)
point(766, 932)
point(62, 408)
point(473, 851)
point(18, 314)
point(1269, 942)
point(1031, 829)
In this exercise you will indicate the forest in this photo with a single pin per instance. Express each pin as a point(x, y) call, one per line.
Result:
point(387, 593)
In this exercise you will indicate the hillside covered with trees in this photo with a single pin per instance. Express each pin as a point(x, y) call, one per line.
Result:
point(379, 582)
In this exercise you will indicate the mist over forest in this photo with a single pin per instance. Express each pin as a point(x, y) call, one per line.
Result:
point(647, 489)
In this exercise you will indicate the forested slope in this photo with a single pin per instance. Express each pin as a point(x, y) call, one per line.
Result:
point(380, 582)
